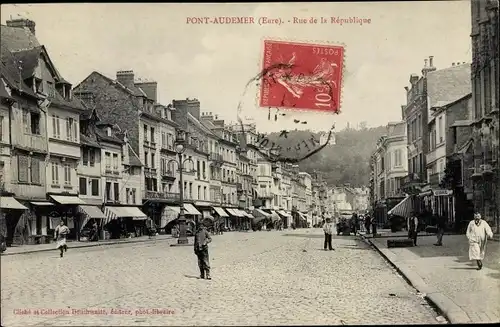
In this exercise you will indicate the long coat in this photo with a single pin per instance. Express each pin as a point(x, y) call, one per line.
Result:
point(477, 235)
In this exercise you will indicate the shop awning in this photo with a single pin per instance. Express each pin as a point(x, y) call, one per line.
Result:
point(112, 213)
point(261, 213)
point(8, 202)
point(246, 214)
point(241, 212)
point(62, 199)
point(136, 213)
point(274, 216)
point(284, 213)
point(234, 212)
point(403, 208)
point(92, 212)
point(190, 209)
point(42, 204)
point(220, 212)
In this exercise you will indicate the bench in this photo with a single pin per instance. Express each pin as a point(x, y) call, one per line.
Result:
point(400, 243)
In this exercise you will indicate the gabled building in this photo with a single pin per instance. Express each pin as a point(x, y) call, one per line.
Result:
point(131, 107)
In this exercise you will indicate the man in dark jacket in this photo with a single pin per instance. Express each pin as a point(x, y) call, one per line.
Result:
point(412, 225)
point(201, 240)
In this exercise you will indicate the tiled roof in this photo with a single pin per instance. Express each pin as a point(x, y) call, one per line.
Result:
point(10, 71)
point(74, 102)
point(3, 92)
point(449, 84)
point(28, 60)
point(85, 140)
point(102, 136)
point(133, 159)
point(17, 38)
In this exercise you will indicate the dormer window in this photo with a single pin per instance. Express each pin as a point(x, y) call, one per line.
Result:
point(38, 85)
point(108, 131)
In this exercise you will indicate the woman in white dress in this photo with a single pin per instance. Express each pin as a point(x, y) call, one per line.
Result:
point(60, 234)
point(478, 233)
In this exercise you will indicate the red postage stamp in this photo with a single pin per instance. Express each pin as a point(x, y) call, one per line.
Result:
point(301, 76)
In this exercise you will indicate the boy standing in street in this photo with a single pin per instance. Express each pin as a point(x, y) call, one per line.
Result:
point(201, 240)
point(328, 229)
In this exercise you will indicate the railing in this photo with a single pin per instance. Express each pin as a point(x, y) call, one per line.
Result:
point(265, 194)
point(150, 195)
point(31, 141)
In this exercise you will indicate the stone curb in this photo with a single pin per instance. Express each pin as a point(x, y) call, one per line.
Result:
point(453, 313)
point(84, 245)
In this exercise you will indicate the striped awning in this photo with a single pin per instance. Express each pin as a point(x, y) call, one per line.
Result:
point(190, 209)
point(284, 213)
point(403, 208)
point(274, 216)
point(235, 212)
point(261, 213)
point(220, 212)
point(92, 212)
point(136, 213)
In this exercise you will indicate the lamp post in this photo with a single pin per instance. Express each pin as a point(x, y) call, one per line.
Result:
point(179, 148)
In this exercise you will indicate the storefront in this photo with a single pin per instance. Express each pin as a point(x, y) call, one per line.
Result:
point(10, 214)
point(123, 221)
point(286, 218)
point(237, 216)
point(261, 219)
point(66, 208)
point(90, 215)
point(40, 222)
point(220, 215)
point(443, 205)
point(170, 214)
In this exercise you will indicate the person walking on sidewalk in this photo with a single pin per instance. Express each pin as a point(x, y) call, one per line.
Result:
point(328, 229)
point(60, 234)
point(368, 222)
point(441, 224)
point(477, 234)
point(413, 228)
point(201, 240)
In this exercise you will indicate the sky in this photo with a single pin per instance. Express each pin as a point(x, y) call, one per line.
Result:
point(213, 62)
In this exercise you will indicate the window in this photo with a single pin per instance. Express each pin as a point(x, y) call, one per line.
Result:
point(70, 129)
point(67, 174)
point(204, 170)
point(152, 160)
point(163, 140)
point(23, 162)
point(56, 128)
point(198, 172)
point(127, 193)
point(398, 158)
point(145, 133)
point(95, 187)
point(115, 161)
point(152, 135)
point(133, 195)
point(205, 193)
point(108, 191)
point(116, 190)
point(50, 89)
point(199, 193)
point(146, 159)
point(35, 171)
point(441, 130)
point(92, 157)
point(26, 123)
point(85, 157)
point(107, 156)
point(83, 186)
point(35, 123)
point(55, 173)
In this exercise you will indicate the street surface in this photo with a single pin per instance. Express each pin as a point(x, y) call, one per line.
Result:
point(259, 278)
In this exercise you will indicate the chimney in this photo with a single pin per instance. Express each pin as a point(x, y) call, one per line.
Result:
point(125, 77)
point(414, 78)
point(207, 116)
point(425, 63)
point(150, 88)
point(183, 107)
point(430, 61)
point(22, 23)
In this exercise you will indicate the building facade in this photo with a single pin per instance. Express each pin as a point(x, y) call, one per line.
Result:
point(485, 99)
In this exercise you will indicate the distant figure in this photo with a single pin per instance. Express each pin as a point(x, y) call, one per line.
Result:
point(412, 225)
point(60, 234)
point(368, 222)
point(478, 233)
point(355, 223)
point(150, 225)
point(328, 229)
point(201, 240)
point(441, 225)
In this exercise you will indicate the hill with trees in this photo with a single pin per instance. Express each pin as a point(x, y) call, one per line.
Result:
point(347, 161)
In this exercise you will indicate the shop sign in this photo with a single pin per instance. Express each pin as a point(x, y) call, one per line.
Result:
point(442, 192)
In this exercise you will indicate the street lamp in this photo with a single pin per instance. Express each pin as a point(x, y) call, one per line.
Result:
point(180, 148)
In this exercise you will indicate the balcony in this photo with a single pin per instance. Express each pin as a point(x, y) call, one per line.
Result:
point(435, 179)
point(265, 194)
point(30, 141)
point(168, 148)
point(154, 195)
point(168, 175)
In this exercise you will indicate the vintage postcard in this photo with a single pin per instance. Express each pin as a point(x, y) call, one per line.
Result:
point(249, 164)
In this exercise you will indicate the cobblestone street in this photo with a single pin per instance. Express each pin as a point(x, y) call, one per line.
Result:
point(258, 278)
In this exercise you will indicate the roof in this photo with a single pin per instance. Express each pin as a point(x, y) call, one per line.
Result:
point(85, 140)
point(3, 92)
point(133, 159)
point(448, 85)
point(18, 38)
point(10, 71)
point(28, 60)
point(102, 136)
point(199, 124)
point(135, 91)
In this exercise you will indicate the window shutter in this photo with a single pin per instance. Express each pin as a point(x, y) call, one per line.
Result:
point(95, 187)
point(75, 130)
point(68, 128)
point(23, 162)
point(35, 171)
point(83, 186)
point(26, 122)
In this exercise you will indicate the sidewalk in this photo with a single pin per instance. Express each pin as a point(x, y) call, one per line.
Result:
point(25, 249)
point(447, 277)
